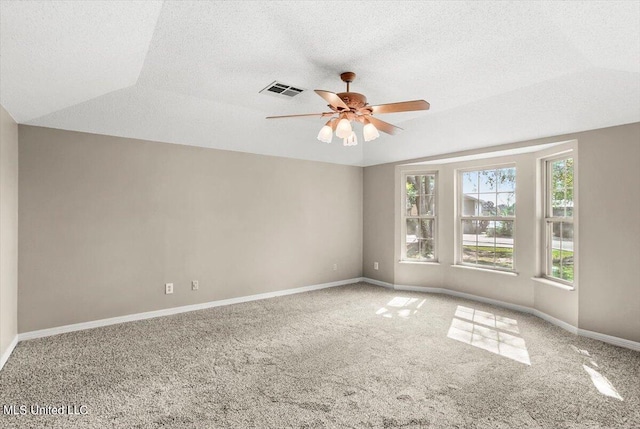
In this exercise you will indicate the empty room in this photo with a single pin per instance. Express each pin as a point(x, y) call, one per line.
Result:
point(319, 214)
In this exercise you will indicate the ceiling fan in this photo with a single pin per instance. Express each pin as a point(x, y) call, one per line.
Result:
point(347, 107)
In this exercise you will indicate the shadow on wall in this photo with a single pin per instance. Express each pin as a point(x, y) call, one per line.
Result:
point(496, 334)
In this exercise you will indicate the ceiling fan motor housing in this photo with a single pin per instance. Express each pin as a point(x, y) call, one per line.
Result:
point(353, 99)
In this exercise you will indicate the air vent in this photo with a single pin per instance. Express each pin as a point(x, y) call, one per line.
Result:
point(281, 90)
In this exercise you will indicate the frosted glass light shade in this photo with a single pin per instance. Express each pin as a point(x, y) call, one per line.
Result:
point(343, 130)
point(370, 132)
point(351, 140)
point(326, 134)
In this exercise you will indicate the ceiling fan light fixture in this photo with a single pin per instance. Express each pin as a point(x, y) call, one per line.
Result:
point(351, 140)
point(344, 130)
point(326, 134)
point(370, 132)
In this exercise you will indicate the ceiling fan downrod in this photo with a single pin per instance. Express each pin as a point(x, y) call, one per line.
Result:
point(348, 77)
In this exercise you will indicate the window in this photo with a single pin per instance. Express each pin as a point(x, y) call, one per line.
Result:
point(558, 220)
point(419, 217)
point(487, 214)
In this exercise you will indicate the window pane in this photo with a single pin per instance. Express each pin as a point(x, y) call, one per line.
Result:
point(412, 227)
point(561, 187)
point(504, 257)
point(470, 182)
point(562, 263)
point(411, 188)
point(487, 181)
point(506, 204)
point(426, 249)
point(506, 179)
point(486, 243)
point(425, 229)
point(486, 255)
point(557, 174)
point(411, 239)
point(567, 252)
point(426, 204)
point(411, 207)
point(420, 190)
point(504, 231)
point(504, 244)
point(419, 239)
point(488, 204)
point(469, 241)
point(559, 202)
point(471, 206)
point(568, 175)
point(430, 184)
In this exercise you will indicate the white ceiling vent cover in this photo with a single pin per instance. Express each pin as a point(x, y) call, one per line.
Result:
point(281, 90)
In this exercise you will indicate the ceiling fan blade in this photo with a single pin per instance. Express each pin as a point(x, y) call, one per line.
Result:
point(403, 106)
point(383, 126)
point(333, 99)
point(320, 115)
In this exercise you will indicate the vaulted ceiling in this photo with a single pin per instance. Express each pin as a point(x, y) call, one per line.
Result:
point(190, 72)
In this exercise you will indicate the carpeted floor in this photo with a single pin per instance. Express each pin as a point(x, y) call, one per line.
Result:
point(352, 356)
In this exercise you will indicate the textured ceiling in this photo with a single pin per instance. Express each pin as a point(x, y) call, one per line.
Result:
point(189, 72)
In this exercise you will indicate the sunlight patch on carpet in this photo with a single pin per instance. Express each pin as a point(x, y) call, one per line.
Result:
point(485, 331)
point(400, 307)
point(601, 382)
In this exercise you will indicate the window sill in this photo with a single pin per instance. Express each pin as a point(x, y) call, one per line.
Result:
point(486, 270)
point(419, 262)
point(549, 282)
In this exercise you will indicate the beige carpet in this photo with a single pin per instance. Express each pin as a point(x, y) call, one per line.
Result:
point(352, 356)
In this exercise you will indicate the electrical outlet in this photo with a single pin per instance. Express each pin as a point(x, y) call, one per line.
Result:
point(168, 288)
point(375, 266)
point(335, 267)
point(195, 285)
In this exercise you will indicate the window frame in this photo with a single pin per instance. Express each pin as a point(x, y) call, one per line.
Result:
point(460, 218)
point(404, 217)
point(548, 219)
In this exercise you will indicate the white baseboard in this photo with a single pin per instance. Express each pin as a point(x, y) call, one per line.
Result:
point(5, 356)
point(378, 283)
point(554, 321)
point(616, 341)
point(464, 295)
point(176, 310)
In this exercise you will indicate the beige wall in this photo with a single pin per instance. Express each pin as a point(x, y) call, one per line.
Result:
point(379, 211)
point(607, 297)
point(8, 230)
point(610, 231)
point(105, 222)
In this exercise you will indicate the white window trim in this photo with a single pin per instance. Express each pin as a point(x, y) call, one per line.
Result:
point(545, 254)
point(403, 216)
point(459, 218)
